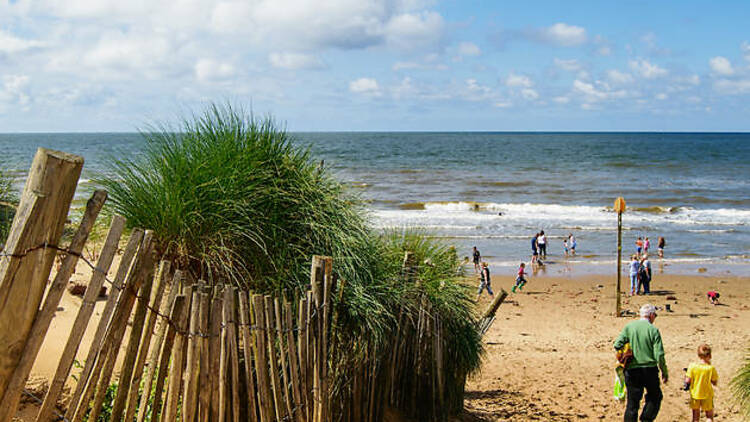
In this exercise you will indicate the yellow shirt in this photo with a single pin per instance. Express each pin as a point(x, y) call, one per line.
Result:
point(701, 375)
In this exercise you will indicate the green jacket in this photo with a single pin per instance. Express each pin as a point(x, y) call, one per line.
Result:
point(645, 340)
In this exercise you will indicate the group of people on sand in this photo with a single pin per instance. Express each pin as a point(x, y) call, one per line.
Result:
point(639, 350)
point(639, 268)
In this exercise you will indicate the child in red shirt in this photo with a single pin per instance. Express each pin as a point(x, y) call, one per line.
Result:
point(520, 281)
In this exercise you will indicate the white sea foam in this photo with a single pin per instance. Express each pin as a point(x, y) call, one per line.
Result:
point(581, 217)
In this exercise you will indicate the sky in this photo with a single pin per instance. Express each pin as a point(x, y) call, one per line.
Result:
point(378, 65)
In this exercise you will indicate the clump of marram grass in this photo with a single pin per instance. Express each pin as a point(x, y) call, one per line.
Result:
point(231, 198)
point(741, 386)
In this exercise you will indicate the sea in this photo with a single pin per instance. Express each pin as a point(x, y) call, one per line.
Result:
point(496, 190)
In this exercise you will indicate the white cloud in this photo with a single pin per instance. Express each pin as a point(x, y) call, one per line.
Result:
point(212, 70)
point(126, 52)
point(365, 86)
point(598, 91)
point(514, 80)
point(571, 65)
point(661, 96)
point(14, 91)
point(474, 91)
point(564, 34)
point(561, 100)
point(732, 87)
point(467, 49)
point(503, 104)
point(745, 48)
point(529, 94)
point(413, 30)
point(11, 44)
point(294, 61)
point(647, 69)
point(619, 78)
point(720, 65)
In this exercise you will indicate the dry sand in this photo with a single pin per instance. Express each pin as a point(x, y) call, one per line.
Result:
point(549, 352)
point(550, 356)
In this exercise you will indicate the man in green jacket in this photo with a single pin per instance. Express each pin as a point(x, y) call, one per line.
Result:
point(642, 372)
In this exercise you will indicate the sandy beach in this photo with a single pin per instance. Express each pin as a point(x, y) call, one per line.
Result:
point(550, 357)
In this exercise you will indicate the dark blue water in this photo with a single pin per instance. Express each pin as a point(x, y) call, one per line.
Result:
point(692, 188)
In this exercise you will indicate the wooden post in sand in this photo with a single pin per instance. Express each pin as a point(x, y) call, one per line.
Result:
point(619, 209)
point(39, 221)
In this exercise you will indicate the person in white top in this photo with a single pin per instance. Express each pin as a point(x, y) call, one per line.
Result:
point(542, 243)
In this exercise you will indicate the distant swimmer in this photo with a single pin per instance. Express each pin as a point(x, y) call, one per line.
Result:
point(477, 257)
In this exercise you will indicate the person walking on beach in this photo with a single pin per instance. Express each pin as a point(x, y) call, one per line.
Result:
point(565, 247)
point(642, 372)
point(542, 243)
point(646, 245)
point(477, 258)
point(534, 249)
point(660, 244)
point(520, 280)
point(700, 379)
point(484, 281)
point(634, 266)
point(572, 243)
point(644, 275)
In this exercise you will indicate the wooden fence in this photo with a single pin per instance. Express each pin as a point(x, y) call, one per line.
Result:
point(200, 353)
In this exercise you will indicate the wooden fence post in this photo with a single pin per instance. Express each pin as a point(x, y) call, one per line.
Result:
point(82, 319)
point(40, 218)
point(12, 397)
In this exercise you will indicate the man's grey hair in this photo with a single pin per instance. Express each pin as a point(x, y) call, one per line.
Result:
point(647, 310)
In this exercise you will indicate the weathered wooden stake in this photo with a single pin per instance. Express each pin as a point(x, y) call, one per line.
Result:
point(39, 221)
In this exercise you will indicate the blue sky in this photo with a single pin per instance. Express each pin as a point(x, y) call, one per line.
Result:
point(113, 65)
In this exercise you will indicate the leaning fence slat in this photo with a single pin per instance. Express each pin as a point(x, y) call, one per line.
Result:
point(204, 391)
point(190, 397)
point(247, 341)
point(39, 221)
point(176, 314)
point(284, 373)
point(105, 362)
point(131, 353)
point(136, 236)
point(291, 347)
point(261, 359)
point(156, 348)
point(169, 413)
point(230, 295)
point(82, 319)
point(214, 347)
point(278, 398)
point(154, 304)
point(35, 338)
point(302, 353)
point(224, 367)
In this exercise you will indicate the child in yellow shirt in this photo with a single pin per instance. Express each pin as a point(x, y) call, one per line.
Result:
point(702, 376)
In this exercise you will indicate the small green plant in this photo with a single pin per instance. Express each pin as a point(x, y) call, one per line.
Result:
point(8, 203)
point(741, 386)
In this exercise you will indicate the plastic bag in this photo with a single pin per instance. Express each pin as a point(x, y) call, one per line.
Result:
point(618, 391)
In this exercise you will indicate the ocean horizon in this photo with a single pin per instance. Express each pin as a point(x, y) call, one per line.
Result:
point(494, 190)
